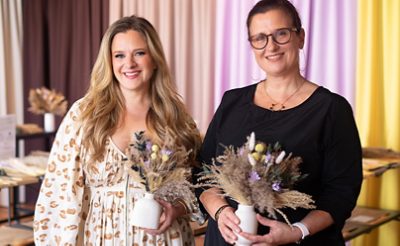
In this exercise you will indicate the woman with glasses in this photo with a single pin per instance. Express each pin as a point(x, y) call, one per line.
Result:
point(306, 119)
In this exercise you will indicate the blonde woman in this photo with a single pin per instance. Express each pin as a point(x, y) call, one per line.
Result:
point(86, 196)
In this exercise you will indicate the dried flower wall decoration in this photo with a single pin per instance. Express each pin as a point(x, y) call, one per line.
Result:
point(258, 174)
point(43, 100)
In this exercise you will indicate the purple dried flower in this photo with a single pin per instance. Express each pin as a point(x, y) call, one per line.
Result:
point(254, 176)
point(268, 157)
point(241, 151)
point(276, 186)
point(148, 145)
point(147, 163)
point(166, 152)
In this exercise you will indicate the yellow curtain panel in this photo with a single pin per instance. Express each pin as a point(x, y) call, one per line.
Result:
point(378, 106)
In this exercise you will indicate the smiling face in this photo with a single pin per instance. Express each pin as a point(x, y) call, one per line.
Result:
point(132, 64)
point(276, 59)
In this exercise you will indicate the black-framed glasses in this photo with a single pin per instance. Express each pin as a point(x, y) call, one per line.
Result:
point(280, 36)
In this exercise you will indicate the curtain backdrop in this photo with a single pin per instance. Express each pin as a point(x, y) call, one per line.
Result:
point(186, 29)
point(207, 48)
point(235, 65)
point(328, 57)
point(11, 58)
point(61, 42)
point(10, 65)
point(378, 106)
point(330, 48)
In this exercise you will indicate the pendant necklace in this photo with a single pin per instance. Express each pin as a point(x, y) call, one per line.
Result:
point(275, 103)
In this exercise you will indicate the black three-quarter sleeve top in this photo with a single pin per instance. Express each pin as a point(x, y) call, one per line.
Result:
point(321, 130)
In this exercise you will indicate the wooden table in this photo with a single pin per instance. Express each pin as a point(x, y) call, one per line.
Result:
point(376, 167)
point(363, 220)
point(11, 183)
point(376, 161)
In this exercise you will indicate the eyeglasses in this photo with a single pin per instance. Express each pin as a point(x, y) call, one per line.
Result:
point(280, 36)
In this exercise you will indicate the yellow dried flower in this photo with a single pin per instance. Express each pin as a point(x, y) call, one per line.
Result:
point(256, 156)
point(165, 158)
point(260, 148)
point(155, 148)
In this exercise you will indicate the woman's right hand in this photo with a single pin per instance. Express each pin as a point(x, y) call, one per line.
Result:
point(228, 224)
point(227, 221)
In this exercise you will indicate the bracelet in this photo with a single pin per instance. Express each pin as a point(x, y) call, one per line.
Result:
point(304, 230)
point(216, 216)
point(182, 203)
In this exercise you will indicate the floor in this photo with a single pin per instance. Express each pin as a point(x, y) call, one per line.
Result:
point(17, 236)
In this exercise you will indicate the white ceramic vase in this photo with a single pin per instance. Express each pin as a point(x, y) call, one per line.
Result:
point(49, 122)
point(146, 212)
point(248, 223)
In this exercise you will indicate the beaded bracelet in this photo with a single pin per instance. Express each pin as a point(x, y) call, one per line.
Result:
point(216, 216)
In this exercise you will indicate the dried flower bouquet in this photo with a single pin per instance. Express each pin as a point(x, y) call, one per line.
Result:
point(43, 100)
point(161, 170)
point(258, 174)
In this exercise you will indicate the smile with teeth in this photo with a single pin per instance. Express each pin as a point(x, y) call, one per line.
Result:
point(132, 75)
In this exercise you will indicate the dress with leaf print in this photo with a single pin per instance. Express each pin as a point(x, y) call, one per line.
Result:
point(78, 205)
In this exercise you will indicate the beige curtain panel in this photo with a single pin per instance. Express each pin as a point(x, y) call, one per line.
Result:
point(11, 58)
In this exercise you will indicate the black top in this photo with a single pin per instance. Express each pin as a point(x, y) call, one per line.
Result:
point(321, 130)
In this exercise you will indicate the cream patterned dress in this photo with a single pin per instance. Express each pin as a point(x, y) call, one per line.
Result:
point(82, 206)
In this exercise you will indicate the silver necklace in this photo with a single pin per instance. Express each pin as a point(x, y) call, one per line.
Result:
point(275, 103)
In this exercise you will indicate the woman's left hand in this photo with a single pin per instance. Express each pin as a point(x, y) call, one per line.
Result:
point(169, 214)
point(279, 233)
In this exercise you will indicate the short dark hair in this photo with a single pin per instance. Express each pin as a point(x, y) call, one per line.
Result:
point(266, 5)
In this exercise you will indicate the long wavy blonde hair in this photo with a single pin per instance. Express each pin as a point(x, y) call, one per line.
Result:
point(104, 103)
